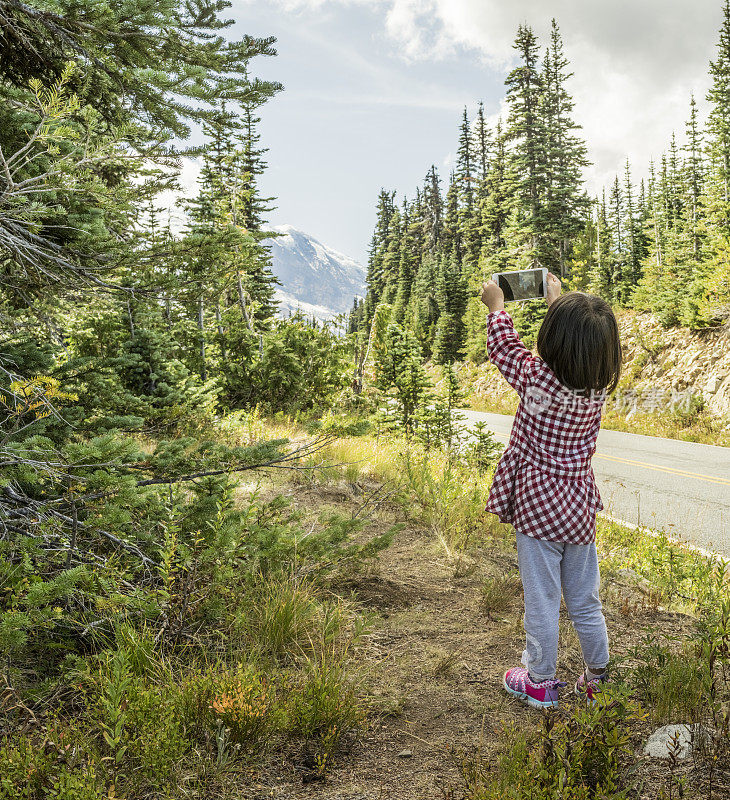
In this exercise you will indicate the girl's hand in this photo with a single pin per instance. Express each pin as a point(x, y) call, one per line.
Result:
point(492, 296)
point(553, 289)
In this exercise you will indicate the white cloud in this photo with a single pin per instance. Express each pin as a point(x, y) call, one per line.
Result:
point(635, 63)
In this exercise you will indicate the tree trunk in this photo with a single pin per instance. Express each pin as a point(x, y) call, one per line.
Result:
point(131, 319)
point(242, 301)
point(201, 330)
point(219, 323)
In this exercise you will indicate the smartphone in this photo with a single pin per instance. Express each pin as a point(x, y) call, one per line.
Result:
point(522, 284)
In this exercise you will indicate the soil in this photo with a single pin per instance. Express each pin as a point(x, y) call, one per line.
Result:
point(435, 659)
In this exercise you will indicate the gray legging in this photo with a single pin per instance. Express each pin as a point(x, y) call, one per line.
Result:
point(545, 568)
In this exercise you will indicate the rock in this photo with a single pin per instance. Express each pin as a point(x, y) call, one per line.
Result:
point(720, 401)
point(405, 754)
point(625, 572)
point(662, 741)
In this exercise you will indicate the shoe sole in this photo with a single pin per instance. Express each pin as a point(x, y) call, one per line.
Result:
point(525, 698)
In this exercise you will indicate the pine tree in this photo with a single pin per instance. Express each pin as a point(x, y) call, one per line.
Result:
point(694, 174)
point(451, 237)
point(466, 175)
point(451, 299)
point(718, 124)
point(566, 203)
point(481, 145)
point(616, 215)
point(224, 260)
point(406, 266)
point(399, 372)
point(497, 206)
point(392, 257)
point(376, 278)
point(635, 250)
point(424, 303)
point(526, 130)
point(433, 212)
point(600, 277)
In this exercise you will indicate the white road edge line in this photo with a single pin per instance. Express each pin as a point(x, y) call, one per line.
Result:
point(652, 532)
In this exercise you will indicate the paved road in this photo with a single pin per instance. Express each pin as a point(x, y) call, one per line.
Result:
point(679, 487)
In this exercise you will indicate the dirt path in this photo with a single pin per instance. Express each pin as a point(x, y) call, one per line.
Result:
point(436, 659)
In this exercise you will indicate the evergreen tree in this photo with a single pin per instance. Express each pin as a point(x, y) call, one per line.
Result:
point(526, 130)
point(498, 205)
point(451, 299)
point(616, 215)
point(451, 237)
point(600, 277)
point(635, 250)
point(376, 278)
point(694, 174)
point(406, 266)
point(424, 302)
point(466, 175)
point(399, 372)
point(481, 145)
point(566, 203)
point(718, 124)
point(433, 212)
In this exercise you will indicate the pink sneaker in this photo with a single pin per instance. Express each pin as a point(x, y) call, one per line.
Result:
point(538, 695)
point(589, 689)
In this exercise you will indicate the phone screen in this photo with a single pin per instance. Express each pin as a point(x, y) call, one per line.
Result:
point(522, 285)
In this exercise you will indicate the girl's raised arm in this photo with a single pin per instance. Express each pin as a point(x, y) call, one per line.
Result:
point(506, 351)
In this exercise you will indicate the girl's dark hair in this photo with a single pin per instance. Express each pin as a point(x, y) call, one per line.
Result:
point(580, 343)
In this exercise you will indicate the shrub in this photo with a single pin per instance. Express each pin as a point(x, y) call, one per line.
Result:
point(671, 683)
point(244, 703)
point(500, 592)
point(325, 706)
point(284, 617)
point(577, 755)
point(29, 773)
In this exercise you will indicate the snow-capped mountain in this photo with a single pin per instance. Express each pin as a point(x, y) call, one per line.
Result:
point(314, 278)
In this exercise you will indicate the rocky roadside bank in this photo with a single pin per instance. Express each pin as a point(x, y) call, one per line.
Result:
point(660, 364)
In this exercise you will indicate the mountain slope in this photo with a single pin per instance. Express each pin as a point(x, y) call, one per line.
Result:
point(315, 278)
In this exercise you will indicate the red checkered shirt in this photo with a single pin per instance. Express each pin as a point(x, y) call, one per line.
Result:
point(544, 483)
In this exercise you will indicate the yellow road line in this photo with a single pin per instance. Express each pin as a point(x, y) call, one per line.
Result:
point(681, 472)
point(684, 473)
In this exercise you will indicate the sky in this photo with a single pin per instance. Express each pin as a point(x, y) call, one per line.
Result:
point(374, 91)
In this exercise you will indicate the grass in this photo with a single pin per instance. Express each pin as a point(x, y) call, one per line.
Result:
point(682, 578)
point(670, 677)
point(577, 753)
point(499, 593)
point(271, 670)
point(154, 726)
point(427, 485)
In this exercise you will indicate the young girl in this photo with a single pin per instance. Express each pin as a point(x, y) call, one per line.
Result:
point(544, 483)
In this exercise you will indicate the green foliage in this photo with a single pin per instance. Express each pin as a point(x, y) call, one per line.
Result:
point(400, 374)
point(28, 773)
point(284, 617)
point(680, 575)
point(672, 683)
point(296, 366)
point(578, 755)
point(499, 593)
point(485, 451)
